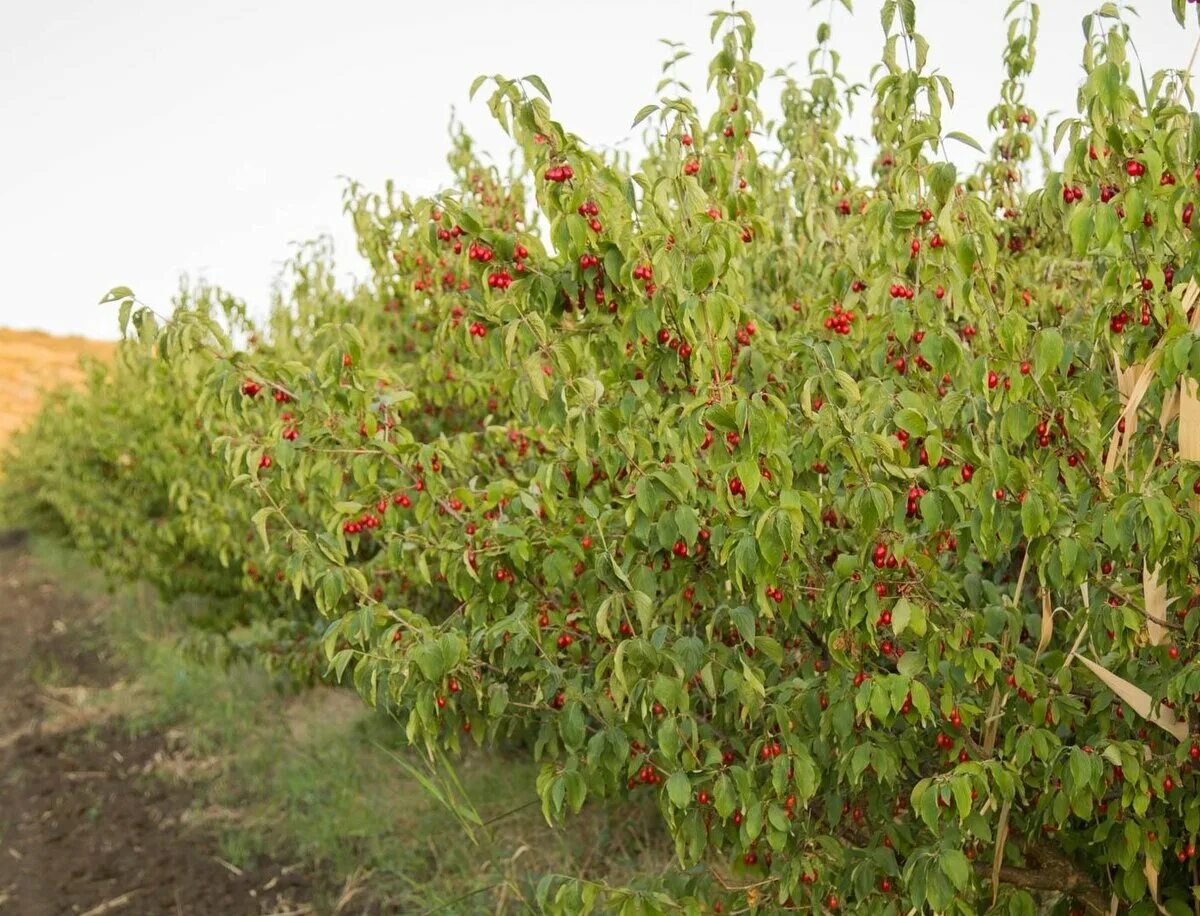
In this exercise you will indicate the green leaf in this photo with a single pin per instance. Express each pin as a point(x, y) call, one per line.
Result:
point(743, 619)
point(536, 81)
point(688, 523)
point(1081, 229)
point(956, 867)
point(642, 114)
point(964, 138)
point(911, 421)
point(116, 294)
point(260, 524)
point(679, 789)
point(1048, 351)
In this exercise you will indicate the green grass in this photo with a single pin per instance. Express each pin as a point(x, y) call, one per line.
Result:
point(318, 778)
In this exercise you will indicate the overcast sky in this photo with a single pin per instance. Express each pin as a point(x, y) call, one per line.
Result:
point(142, 139)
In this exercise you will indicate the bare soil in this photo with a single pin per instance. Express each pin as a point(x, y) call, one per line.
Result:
point(30, 362)
point(93, 818)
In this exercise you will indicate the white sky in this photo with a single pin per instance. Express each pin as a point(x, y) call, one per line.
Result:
point(142, 139)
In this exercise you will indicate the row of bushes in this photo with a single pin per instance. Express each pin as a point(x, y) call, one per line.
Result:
point(844, 511)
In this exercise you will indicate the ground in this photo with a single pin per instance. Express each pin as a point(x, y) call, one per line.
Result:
point(31, 361)
point(90, 821)
point(136, 778)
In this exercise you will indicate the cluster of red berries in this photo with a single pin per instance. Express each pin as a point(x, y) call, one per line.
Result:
point(446, 235)
point(913, 508)
point(775, 593)
point(746, 332)
point(684, 349)
point(251, 389)
point(367, 522)
point(736, 487)
point(1119, 321)
point(504, 575)
point(882, 557)
point(692, 166)
point(479, 252)
point(647, 776)
point(500, 279)
point(645, 272)
point(899, 291)
point(475, 329)
point(559, 173)
point(590, 209)
point(1134, 169)
point(588, 261)
point(1072, 193)
point(770, 749)
point(839, 321)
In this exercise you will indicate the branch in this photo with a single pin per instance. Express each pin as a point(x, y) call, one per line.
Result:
point(1056, 874)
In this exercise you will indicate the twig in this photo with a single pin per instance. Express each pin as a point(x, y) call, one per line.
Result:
point(112, 904)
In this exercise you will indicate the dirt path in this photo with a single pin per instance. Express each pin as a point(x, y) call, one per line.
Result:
point(91, 820)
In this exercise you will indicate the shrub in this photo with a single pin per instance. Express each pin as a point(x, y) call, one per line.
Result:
point(847, 514)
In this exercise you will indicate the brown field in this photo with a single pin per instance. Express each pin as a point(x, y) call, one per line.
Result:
point(32, 361)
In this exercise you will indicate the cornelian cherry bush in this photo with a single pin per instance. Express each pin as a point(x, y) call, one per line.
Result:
point(846, 512)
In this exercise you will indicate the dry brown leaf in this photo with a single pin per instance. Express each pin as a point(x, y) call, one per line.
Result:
point(1190, 295)
point(1189, 422)
point(1146, 375)
point(1137, 700)
point(1189, 419)
point(1047, 624)
point(1156, 604)
point(998, 858)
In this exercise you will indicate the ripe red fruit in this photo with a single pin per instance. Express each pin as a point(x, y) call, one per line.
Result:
point(347, 361)
point(992, 379)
